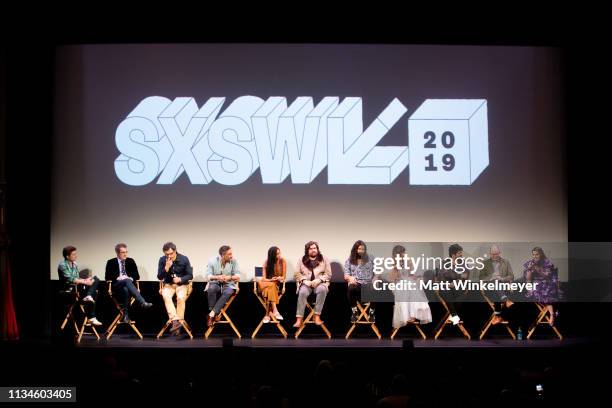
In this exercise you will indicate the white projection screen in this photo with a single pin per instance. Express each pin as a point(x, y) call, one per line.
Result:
point(254, 145)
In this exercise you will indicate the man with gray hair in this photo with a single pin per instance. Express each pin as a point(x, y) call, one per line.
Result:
point(499, 269)
point(123, 272)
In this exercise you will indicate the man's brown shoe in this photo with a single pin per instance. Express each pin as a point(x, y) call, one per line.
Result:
point(175, 326)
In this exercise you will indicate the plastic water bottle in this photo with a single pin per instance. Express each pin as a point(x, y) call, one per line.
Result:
point(519, 334)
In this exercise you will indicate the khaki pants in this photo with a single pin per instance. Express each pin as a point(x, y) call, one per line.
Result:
point(182, 293)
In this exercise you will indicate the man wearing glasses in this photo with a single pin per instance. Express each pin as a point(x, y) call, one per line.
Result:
point(123, 272)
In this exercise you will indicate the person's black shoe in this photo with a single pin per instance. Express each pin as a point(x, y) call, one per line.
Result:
point(145, 305)
point(354, 316)
point(372, 316)
point(125, 318)
point(178, 332)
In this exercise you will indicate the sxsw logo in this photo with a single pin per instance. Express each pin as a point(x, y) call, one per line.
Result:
point(447, 141)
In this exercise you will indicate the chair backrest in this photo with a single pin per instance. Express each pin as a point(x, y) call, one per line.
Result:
point(258, 272)
point(442, 301)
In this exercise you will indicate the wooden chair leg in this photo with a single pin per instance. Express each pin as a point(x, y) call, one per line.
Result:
point(486, 327)
point(133, 326)
point(261, 323)
point(82, 329)
point(363, 318)
point(117, 321)
point(440, 327)
point(304, 323)
point(350, 331)
point(464, 331)
point(327, 332)
point(309, 320)
point(361, 314)
point(273, 319)
point(418, 327)
point(541, 315)
point(373, 326)
point(69, 316)
point(187, 328)
point(231, 323)
point(113, 326)
point(509, 329)
point(394, 333)
point(225, 319)
point(281, 329)
point(86, 323)
point(163, 329)
point(543, 318)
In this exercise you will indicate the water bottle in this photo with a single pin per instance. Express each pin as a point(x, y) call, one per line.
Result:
point(519, 334)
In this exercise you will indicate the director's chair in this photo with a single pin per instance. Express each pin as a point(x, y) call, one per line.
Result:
point(73, 292)
point(363, 318)
point(310, 318)
point(274, 320)
point(444, 321)
point(113, 326)
point(416, 324)
point(489, 321)
point(183, 322)
point(543, 319)
point(70, 293)
point(223, 317)
point(543, 316)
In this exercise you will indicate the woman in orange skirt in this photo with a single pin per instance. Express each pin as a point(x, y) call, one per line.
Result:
point(274, 272)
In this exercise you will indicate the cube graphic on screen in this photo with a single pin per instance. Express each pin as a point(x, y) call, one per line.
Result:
point(448, 142)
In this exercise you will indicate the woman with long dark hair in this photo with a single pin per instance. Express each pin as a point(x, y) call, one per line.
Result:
point(358, 274)
point(540, 270)
point(274, 272)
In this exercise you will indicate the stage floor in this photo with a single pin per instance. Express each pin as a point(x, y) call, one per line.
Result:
point(128, 341)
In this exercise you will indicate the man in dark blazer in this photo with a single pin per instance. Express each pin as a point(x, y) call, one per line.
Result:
point(123, 272)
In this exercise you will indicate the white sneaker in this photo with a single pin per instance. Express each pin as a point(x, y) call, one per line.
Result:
point(95, 321)
point(266, 319)
point(455, 320)
point(88, 299)
point(278, 316)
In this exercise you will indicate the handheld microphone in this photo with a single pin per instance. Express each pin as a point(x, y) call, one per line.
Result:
point(171, 270)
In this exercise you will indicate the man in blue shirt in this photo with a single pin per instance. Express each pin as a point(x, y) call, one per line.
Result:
point(223, 277)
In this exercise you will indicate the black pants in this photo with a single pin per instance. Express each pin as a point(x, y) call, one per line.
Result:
point(218, 296)
point(353, 293)
point(453, 299)
point(497, 297)
point(90, 308)
point(122, 289)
